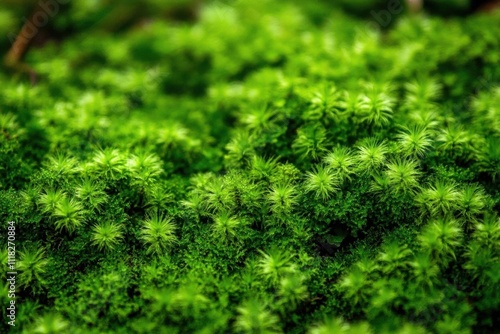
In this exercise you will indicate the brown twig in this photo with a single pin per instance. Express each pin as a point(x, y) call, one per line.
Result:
point(490, 6)
point(414, 6)
point(13, 58)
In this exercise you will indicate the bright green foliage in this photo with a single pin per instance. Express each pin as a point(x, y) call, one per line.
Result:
point(341, 162)
point(402, 175)
point(485, 106)
point(282, 197)
point(106, 235)
point(487, 232)
point(441, 238)
point(471, 202)
point(68, 214)
point(336, 325)
point(62, 165)
point(394, 257)
point(490, 157)
point(239, 148)
point(158, 233)
point(480, 262)
point(422, 94)
point(376, 106)
point(310, 142)
point(353, 285)
point(371, 155)
point(33, 266)
point(262, 168)
point(105, 295)
point(91, 193)
point(196, 203)
point(292, 290)
point(258, 119)
point(49, 200)
point(171, 136)
point(226, 227)
point(188, 298)
point(276, 264)
point(144, 168)
point(424, 269)
point(218, 195)
point(380, 183)
point(108, 163)
point(439, 199)
point(50, 324)
point(252, 166)
point(9, 124)
point(157, 198)
point(453, 139)
point(414, 141)
point(321, 181)
point(325, 103)
point(253, 317)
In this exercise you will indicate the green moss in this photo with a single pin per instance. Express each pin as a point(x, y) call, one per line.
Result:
point(267, 167)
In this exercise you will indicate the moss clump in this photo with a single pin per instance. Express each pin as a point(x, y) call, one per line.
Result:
point(270, 167)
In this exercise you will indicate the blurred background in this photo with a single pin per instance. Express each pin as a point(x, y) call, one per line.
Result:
point(33, 23)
